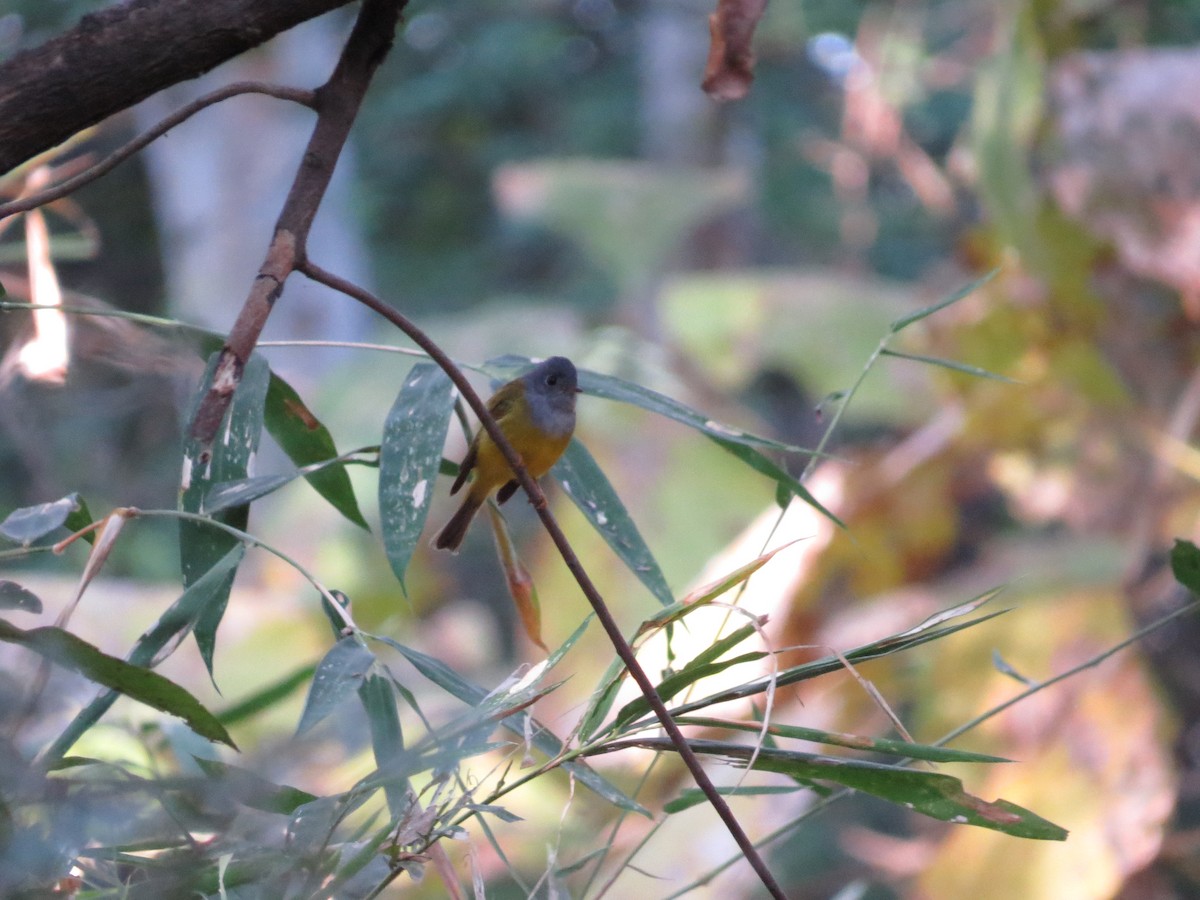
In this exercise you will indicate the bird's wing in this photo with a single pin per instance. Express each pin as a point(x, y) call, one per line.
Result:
point(465, 467)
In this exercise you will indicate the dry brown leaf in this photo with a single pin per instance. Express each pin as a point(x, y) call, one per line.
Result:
point(729, 71)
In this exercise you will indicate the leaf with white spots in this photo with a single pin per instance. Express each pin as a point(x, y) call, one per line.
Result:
point(586, 485)
point(409, 457)
point(202, 546)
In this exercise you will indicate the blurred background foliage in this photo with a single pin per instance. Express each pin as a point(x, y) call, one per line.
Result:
point(543, 177)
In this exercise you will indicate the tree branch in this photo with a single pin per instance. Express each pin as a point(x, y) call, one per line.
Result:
point(114, 159)
point(118, 56)
point(542, 508)
point(337, 103)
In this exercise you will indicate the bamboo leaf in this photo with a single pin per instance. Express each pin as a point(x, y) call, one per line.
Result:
point(387, 739)
point(761, 464)
point(253, 790)
point(904, 321)
point(409, 458)
point(950, 364)
point(228, 459)
point(929, 793)
point(339, 674)
point(585, 483)
point(27, 524)
point(306, 441)
point(132, 681)
point(853, 741)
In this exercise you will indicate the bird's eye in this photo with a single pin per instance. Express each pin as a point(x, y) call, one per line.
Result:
point(551, 380)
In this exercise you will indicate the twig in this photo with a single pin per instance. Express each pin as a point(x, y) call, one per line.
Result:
point(106, 165)
point(337, 103)
point(538, 499)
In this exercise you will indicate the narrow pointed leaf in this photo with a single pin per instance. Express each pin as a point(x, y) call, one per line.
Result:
point(14, 596)
point(705, 595)
point(543, 739)
point(264, 699)
point(763, 465)
point(611, 388)
point(172, 626)
point(200, 546)
point(387, 739)
point(253, 790)
point(585, 483)
point(409, 458)
point(851, 741)
point(904, 321)
point(603, 699)
point(929, 793)
point(27, 524)
point(694, 797)
point(950, 364)
point(229, 494)
point(306, 441)
point(339, 675)
point(825, 665)
point(132, 681)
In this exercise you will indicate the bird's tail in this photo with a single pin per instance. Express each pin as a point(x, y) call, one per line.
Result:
point(452, 535)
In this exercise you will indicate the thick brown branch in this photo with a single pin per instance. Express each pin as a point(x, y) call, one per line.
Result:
point(337, 103)
point(603, 615)
point(120, 55)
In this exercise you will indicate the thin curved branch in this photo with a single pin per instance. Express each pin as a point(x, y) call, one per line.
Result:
point(110, 162)
point(538, 499)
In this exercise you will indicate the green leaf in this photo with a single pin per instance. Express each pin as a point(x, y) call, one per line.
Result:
point(13, 596)
point(185, 613)
point(253, 790)
point(852, 741)
point(781, 476)
point(704, 665)
point(929, 630)
point(172, 626)
point(543, 739)
point(589, 489)
point(229, 494)
point(694, 797)
point(705, 595)
point(409, 458)
point(610, 388)
point(80, 518)
point(27, 524)
point(904, 321)
point(132, 681)
point(306, 441)
point(387, 739)
point(200, 546)
point(603, 699)
point(1185, 564)
point(339, 674)
point(950, 364)
point(264, 699)
point(932, 794)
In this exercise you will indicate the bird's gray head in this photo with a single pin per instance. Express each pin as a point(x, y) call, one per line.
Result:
point(555, 382)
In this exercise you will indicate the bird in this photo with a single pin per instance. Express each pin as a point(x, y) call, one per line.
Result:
point(536, 412)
